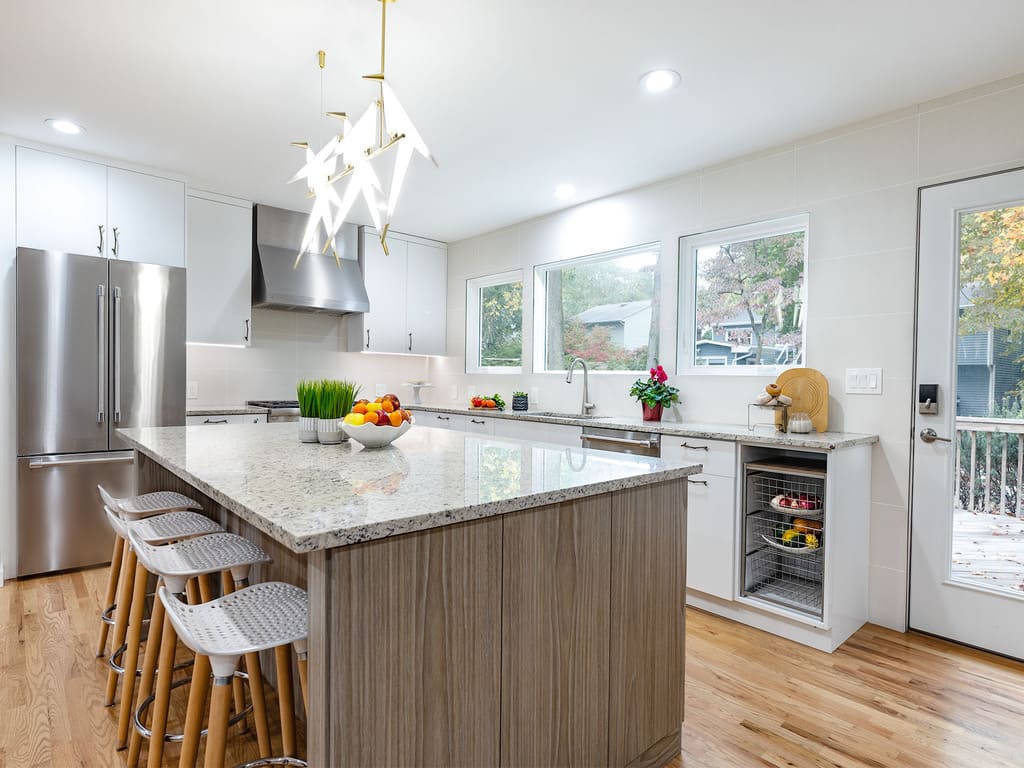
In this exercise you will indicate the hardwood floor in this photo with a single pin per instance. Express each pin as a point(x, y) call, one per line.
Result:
point(884, 700)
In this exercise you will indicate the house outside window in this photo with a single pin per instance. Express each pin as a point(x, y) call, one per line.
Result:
point(743, 298)
point(494, 323)
point(603, 308)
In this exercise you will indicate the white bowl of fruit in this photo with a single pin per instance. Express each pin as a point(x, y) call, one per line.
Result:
point(378, 423)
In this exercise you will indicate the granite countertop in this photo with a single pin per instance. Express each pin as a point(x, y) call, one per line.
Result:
point(311, 497)
point(761, 435)
point(224, 410)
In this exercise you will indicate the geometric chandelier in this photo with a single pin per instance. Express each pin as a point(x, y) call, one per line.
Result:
point(351, 154)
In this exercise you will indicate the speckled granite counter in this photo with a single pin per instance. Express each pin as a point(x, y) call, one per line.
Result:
point(818, 441)
point(311, 497)
point(224, 410)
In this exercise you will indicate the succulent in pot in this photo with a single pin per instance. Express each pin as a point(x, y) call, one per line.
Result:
point(520, 401)
point(308, 395)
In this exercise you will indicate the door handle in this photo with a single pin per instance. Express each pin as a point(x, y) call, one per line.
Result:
point(618, 441)
point(117, 245)
point(410, 342)
point(117, 354)
point(99, 248)
point(929, 435)
point(476, 421)
point(216, 421)
point(367, 338)
point(101, 357)
point(72, 462)
point(246, 337)
point(697, 482)
point(444, 418)
point(694, 447)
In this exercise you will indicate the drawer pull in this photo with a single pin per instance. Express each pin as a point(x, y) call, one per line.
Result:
point(694, 447)
point(444, 418)
point(476, 421)
point(697, 482)
point(215, 421)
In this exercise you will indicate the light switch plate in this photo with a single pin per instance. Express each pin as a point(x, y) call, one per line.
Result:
point(191, 390)
point(380, 390)
point(863, 381)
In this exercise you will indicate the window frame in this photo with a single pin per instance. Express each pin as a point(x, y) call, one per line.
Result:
point(687, 303)
point(473, 287)
point(540, 299)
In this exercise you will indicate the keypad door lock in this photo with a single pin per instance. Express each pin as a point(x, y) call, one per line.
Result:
point(928, 399)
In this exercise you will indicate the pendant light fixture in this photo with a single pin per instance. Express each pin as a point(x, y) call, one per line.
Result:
point(384, 124)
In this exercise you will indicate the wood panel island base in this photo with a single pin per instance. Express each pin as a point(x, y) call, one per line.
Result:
point(551, 634)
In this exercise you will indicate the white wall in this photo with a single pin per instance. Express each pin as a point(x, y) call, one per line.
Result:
point(8, 420)
point(859, 185)
point(286, 347)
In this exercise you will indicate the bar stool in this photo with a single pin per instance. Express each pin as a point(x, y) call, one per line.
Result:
point(132, 507)
point(257, 618)
point(174, 565)
point(156, 529)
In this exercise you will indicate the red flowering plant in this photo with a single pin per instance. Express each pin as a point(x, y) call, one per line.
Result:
point(655, 390)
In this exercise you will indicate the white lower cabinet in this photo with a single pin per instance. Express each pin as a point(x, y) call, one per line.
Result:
point(480, 425)
point(520, 430)
point(711, 535)
point(226, 418)
point(440, 420)
point(563, 434)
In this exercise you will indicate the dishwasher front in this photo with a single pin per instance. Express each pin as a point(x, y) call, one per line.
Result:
point(622, 441)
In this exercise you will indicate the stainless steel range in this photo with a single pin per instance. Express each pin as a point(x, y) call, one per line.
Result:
point(278, 410)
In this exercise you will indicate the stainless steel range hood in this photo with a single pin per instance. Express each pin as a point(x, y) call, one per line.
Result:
point(318, 285)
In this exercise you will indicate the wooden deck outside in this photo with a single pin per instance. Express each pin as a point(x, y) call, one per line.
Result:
point(989, 549)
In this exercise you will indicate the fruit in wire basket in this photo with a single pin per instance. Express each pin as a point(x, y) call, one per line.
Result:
point(806, 526)
point(811, 541)
point(792, 537)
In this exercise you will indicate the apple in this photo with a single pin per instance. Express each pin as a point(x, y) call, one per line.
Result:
point(394, 399)
point(382, 418)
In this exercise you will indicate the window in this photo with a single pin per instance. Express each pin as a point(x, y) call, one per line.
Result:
point(743, 297)
point(603, 308)
point(494, 323)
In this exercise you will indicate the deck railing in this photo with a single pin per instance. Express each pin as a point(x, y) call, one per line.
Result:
point(990, 465)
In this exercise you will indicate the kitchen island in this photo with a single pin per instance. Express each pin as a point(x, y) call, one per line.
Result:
point(474, 601)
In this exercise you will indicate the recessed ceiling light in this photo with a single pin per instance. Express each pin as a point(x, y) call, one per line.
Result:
point(565, 191)
point(660, 80)
point(64, 126)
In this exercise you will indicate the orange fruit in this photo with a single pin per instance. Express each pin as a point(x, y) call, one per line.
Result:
point(387, 405)
point(406, 415)
point(396, 418)
point(490, 404)
point(359, 408)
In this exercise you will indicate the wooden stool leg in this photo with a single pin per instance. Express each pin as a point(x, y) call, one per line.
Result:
point(192, 592)
point(303, 664)
point(216, 738)
point(286, 698)
point(237, 688)
point(194, 714)
point(131, 654)
point(124, 606)
point(156, 623)
point(116, 558)
point(162, 702)
point(259, 702)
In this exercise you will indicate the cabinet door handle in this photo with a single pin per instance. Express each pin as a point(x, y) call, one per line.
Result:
point(117, 245)
point(444, 418)
point(367, 338)
point(697, 482)
point(694, 447)
point(476, 421)
point(99, 248)
point(215, 421)
point(410, 342)
point(246, 337)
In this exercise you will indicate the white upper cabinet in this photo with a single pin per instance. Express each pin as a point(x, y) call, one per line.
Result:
point(146, 218)
point(386, 280)
point(425, 299)
point(67, 204)
point(219, 270)
point(407, 289)
point(61, 203)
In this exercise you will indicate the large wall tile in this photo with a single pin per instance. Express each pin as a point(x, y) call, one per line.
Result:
point(867, 222)
point(747, 191)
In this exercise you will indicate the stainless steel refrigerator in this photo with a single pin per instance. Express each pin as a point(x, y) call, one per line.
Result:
point(101, 345)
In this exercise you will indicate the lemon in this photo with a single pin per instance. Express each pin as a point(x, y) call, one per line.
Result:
point(355, 419)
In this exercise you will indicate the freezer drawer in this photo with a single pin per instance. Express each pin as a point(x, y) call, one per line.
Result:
point(60, 517)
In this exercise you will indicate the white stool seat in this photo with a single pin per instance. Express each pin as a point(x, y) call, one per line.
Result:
point(147, 504)
point(177, 563)
point(253, 619)
point(174, 526)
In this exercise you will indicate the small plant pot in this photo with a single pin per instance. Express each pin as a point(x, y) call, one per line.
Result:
point(652, 412)
point(328, 432)
point(307, 429)
point(520, 403)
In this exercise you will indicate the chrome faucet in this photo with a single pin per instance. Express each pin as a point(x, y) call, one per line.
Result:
point(587, 406)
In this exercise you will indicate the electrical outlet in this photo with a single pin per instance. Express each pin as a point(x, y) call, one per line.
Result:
point(191, 390)
point(380, 390)
point(863, 381)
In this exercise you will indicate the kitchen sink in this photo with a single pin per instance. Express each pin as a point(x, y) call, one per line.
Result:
point(555, 415)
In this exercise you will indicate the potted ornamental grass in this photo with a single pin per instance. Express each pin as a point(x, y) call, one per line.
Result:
point(520, 401)
point(654, 393)
point(308, 395)
point(334, 402)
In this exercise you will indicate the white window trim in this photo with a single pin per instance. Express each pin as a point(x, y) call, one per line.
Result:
point(473, 287)
point(540, 299)
point(688, 247)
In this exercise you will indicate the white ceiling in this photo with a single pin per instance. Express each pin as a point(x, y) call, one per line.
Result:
point(513, 96)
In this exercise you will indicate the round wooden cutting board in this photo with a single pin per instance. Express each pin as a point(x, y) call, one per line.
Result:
point(809, 389)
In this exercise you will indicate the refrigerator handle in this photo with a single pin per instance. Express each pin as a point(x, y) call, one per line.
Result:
point(117, 354)
point(101, 346)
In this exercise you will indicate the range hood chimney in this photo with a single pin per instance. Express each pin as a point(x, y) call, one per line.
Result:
point(318, 285)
